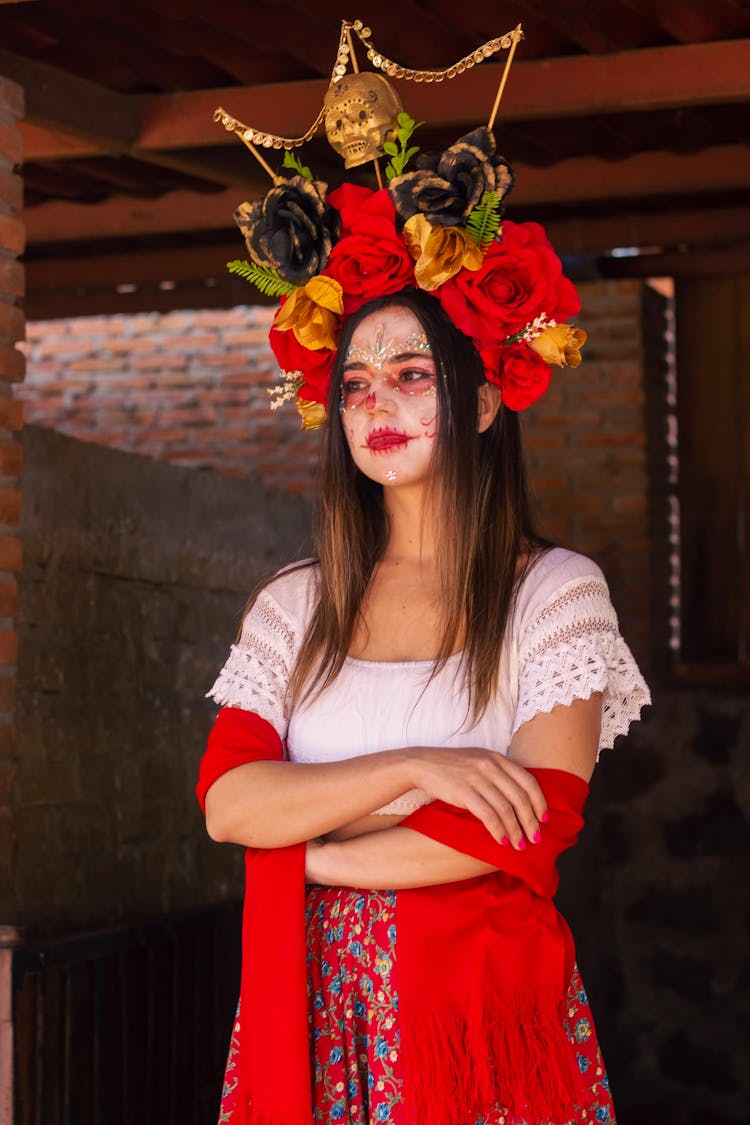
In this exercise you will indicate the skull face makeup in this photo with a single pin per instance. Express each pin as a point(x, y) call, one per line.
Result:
point(361, 111)
point(389, 398)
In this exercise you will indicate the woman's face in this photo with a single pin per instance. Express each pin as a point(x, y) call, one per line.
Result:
point(389, 398)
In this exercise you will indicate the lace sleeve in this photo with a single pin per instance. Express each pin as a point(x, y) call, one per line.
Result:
point(256, 673)
point(573, 648)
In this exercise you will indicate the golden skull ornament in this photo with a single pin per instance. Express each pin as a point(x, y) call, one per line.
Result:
point(361, 112)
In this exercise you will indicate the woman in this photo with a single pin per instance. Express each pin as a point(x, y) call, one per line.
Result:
point(438, 651)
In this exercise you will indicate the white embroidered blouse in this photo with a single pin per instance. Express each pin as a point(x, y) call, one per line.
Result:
point(562, 643)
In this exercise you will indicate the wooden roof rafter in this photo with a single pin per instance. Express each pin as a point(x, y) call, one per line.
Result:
point(724, 167)
point(702, 74)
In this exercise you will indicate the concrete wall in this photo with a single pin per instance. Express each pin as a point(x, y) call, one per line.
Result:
point(135, 574)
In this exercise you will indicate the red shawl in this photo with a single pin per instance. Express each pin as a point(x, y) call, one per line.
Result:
point(483, 964)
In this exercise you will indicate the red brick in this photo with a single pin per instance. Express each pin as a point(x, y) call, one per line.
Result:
point(634, 439)
point(190, 343)
point(158, 360)
point(11, 143)
point(11, 413)
point(250, 337)
point(10, 509)
point(70, 348)
point(95, 326)
point(7, 693)
point(220, 396)
point(11, 322)
point(95, 365)
point(210, 318)
point(246, 379)
point(12, 364)
point(189, 416)
point(11, 274)
point(11, 460)
point(125, 345)
point(159, 436)
point(8, 602)
point(8, 646)
point(11, 189)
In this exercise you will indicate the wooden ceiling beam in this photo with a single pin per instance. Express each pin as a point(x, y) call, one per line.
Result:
point(697, 231)
point(146, 298)
point(579, 86)
point(721, 168)
point(706, 263)
point(584, 179)
point(123, 216)
point(190, 263)
point(71, 105)
point(691, 229)
point(60, 105)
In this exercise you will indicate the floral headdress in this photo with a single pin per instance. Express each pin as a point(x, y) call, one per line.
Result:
point(438, 228)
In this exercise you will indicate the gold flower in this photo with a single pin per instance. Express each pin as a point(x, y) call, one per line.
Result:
point(313, 414)
point(312, 313)
point(560, 345)
point(440, 251)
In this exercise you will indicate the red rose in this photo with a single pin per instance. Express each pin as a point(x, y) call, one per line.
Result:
point(348, 199)
point(520, 278)
point(315, 365)
point(523, 376)
point(372, 259)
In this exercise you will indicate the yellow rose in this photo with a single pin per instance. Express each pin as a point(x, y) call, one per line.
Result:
point(313, 414)
point(560, 345)
point(312, 313)
point(440, 251)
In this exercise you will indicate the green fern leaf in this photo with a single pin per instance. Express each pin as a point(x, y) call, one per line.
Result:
point(266, 279)
point(484, 221)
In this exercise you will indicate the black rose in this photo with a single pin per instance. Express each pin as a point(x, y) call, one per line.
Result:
point(291, 229)
point(448, 185)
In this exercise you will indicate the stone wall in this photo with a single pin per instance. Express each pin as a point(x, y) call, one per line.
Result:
point(134, 578)
point(657, 895)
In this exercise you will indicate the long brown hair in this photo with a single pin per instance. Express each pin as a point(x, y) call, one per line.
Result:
point(481, 495)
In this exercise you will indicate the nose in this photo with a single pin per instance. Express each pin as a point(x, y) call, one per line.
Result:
point(381, 395)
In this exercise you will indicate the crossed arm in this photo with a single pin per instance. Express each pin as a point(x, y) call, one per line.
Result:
point(274, 804)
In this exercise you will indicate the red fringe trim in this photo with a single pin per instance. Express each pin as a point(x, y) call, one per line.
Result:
point(502, 1051)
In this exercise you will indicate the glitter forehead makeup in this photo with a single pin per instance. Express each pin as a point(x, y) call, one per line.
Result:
point(382, 351)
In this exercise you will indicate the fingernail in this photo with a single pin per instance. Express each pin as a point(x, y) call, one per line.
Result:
point(537, 837)
point(521, 844)
point(505, 841)
point(545, 817)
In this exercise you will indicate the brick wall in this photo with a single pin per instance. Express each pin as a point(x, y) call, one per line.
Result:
point(189, 388)
point(12, 366)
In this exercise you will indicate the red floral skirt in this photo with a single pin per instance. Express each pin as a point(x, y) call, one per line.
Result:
point(353, 1016)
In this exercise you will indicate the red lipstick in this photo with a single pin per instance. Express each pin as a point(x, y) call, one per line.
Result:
point(385, 438)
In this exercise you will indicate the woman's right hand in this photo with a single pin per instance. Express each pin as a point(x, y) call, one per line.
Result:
point(504, 796)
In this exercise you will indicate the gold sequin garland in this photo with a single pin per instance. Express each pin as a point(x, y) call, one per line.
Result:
point(380, 62)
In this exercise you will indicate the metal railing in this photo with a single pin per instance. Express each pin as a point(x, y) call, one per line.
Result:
point(126, 1026)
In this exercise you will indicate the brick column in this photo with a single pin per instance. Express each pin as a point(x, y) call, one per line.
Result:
point(12, 367)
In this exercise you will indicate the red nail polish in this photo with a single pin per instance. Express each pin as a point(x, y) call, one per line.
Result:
point(537, 837)
point(505, 841)
point(521, 845)
point(545, 817)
